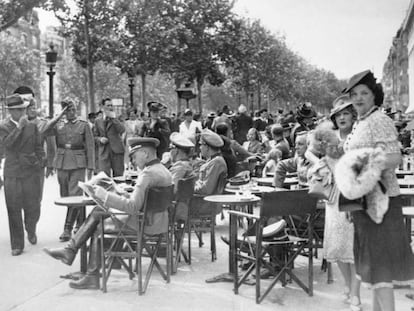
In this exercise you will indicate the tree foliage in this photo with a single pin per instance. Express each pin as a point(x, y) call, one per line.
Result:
point(18, 66)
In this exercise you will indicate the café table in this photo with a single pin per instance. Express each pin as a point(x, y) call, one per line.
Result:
point(268, 181)
point(403, 173)
point(78, 202)
point(233, 201)
point(408, 211)
point(406, 183)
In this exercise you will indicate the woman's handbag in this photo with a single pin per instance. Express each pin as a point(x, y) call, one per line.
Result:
point(346, 205)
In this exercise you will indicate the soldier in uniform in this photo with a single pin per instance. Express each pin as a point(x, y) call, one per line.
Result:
point(180, 151)
point(21, 143)
point(75, 154)
point(154, 174)
point(107, 132)
point(206, 184)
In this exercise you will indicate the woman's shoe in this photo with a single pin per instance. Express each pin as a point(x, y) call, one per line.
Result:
point(355, 304)
point(346, 295)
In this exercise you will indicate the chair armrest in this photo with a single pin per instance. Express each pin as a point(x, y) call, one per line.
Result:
point(241, 214)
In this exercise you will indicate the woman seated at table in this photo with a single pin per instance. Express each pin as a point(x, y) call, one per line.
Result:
point(298, 163)
point(254, 142)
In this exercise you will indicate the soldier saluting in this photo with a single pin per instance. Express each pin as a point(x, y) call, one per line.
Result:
point(74, 155)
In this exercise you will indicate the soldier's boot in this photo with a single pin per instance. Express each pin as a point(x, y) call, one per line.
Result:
point(71, 216)
point(67, 254)
point(91, 279)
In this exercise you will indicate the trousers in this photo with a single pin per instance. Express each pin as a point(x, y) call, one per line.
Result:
point(22, 194)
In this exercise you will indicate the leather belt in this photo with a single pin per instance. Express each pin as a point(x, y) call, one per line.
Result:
point(71, 147)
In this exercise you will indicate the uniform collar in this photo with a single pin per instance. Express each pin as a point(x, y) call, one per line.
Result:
point(72, 121)
point(152, 162)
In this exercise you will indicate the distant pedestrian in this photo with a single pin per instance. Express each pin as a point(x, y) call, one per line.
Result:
point(108, 132)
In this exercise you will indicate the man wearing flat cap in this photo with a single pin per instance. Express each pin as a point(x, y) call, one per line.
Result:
point(23, 151)
point(75, 154)
point(157, 127)
point(143, 154)
point(108, 132)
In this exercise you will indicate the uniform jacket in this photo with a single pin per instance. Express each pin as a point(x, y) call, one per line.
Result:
point(75, 145)
point(296, 164)
point(180, 170)
point(111, 129)
point(209, 174)
point(153, 175)
point(22, 149)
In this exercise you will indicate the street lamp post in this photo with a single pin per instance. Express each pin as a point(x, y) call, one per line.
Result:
point(131, 89)
point(186, 93)
point(51, 57)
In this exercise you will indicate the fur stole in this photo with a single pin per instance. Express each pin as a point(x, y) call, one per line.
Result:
point(357, 173)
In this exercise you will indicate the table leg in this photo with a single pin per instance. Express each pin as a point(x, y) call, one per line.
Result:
point(83, 250)
point(227, 276)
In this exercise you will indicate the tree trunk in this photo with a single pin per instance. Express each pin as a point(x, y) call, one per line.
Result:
point(89, 63)
point(143, 89)
point(259, 97)
point(177, 85)
point(199, 88)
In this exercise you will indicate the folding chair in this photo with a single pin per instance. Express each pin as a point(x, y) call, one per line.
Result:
point(185, 191)
point(200, 223)
point(136, 243)
point(258, 249)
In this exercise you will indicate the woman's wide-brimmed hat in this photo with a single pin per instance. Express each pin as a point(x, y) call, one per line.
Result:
point(340, 103)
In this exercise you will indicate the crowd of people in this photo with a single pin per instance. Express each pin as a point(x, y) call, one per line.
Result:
point(165, 149)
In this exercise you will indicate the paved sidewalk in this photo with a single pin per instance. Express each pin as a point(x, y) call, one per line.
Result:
point(31, 281)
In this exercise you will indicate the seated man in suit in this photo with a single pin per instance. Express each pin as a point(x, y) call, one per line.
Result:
point(154, 174)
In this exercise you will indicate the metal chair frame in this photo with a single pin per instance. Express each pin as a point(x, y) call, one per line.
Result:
point(278, 203)
point(136, 243)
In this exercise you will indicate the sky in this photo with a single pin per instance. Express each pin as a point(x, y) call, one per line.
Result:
point(342, 36)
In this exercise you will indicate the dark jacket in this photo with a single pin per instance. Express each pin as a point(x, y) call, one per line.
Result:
point(22, 149)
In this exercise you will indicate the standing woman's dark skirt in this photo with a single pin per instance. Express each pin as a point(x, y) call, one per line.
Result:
point(383, 255)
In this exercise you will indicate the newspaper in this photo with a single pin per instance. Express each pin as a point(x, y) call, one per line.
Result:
point(104, 181)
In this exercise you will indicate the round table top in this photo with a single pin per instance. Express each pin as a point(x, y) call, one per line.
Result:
point(78, 200)
point(408, 211)
point(404, 172)
point(254, 190)
point(268, 181)
point(406, 183)
point(231, 198)
point(407, 192)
